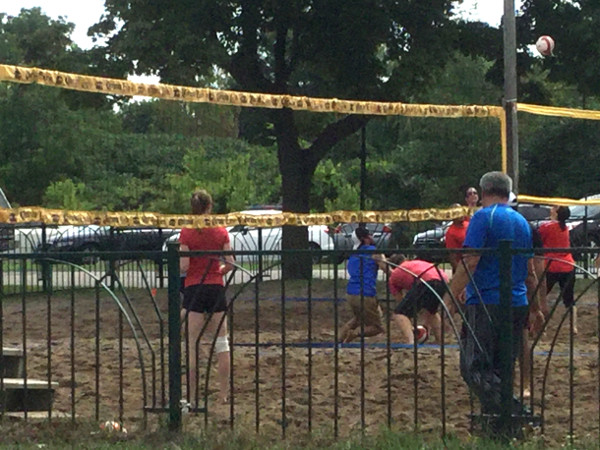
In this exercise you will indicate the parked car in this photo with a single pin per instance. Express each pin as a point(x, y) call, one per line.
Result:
point(584, 224)
point(93, 238)
point(342, 237)
point(246, 238)
point(435, 237)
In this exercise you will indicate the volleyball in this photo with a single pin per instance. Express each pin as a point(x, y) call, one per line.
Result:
point(545, 45)
point(421, 334)
point(111, 426)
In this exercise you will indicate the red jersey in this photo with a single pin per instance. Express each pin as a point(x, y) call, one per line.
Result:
point(553, 237)
point(404, 276)
point(455, 234)
point(204, 239)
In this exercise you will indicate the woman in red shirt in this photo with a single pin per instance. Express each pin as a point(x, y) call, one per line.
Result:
point(560, 265)
point(204, 292)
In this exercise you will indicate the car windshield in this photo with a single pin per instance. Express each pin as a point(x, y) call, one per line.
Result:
point(583, 210)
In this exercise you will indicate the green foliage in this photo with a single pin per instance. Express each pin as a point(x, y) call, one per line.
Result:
point(66, 194)
point(235, 173)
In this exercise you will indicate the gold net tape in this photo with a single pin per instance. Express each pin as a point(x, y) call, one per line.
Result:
point(560, 201)
point(116, 86)
point(143, 219)
point(558, 111)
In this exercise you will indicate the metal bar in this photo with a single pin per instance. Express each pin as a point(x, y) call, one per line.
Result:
point(283, 361)
point(229, 320)
point(49, 346)
point(505, 337)
point(256, 356)
point(571, 379)
point(388, 351)
point(336, 351)
point(121, 367)
point(309, 308)
point(73, 372)
point(443, 370)
point(174, 338)
point(362, 348)
point(24, 325)
point(97, 351)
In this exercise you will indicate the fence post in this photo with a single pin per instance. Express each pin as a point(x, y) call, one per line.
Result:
point(505, 337)
point(174, 337)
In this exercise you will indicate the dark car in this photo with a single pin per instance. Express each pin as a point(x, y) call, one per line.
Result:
point(93, 238)
point(342, 237)
point(435, 237)
point(584, 224)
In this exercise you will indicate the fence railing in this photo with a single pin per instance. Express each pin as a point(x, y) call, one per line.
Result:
point(108, 348)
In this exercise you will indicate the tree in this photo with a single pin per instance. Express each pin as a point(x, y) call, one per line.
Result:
point(574, 27)
point(367, 49)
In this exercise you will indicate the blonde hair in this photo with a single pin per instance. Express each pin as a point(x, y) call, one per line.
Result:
point(201, 201)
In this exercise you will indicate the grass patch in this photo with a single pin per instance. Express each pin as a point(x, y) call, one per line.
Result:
point(87, 435)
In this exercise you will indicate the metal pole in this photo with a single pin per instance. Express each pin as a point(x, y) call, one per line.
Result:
point(510, 92)
point(174, 337)
point(505, 337)
point(363, 166)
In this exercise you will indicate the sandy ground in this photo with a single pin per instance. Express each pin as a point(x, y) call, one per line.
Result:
point(374, 387)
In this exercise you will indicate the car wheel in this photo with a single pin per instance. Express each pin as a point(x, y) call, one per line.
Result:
point(316, 257)
point(92, 258)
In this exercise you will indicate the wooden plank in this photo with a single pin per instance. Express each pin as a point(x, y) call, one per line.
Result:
point(12, 351)
point(19, 383)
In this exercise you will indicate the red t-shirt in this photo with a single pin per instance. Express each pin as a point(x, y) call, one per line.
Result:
point(455, 234)
point(553, 237)
point(404, 276)
point(204, 239)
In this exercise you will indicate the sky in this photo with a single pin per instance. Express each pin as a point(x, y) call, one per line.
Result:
point(84, 13)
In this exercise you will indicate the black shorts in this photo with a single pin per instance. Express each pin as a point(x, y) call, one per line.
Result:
point(421, 296)
point(204, 298)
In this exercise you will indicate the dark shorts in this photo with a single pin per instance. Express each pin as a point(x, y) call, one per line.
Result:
point(566, 281)
point(421, 296)
point(204, 298)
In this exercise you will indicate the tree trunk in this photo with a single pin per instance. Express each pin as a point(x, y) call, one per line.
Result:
point(297, 168)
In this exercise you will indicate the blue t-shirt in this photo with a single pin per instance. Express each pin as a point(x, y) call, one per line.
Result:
point(487, 228)
point(368, 276)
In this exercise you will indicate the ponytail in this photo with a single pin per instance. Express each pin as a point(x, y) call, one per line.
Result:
point(562, 214)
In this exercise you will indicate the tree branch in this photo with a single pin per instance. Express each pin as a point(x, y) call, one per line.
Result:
point(334, 133)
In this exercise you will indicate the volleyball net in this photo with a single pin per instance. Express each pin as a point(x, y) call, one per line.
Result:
point(112, 86)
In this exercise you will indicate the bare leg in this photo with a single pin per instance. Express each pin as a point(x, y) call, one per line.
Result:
point(347, 329)
point(525, 364)
point(223, 357)
point(406, 328)
point(575, 331)
point(433, 323)
point(195, 324)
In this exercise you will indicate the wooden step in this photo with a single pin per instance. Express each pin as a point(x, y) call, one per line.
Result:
point(16, 395)
point(11, 363)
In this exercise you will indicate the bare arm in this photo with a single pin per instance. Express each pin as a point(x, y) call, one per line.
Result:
point(228, 265)
point(382, 262)
point(184, 261)
point(460, 279)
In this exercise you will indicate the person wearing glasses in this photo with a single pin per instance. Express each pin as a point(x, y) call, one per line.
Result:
point(471, 197)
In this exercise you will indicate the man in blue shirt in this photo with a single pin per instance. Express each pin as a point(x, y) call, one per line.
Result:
point(496, 221)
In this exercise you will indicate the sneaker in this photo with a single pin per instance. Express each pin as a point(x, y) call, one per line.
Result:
point(421, 334)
